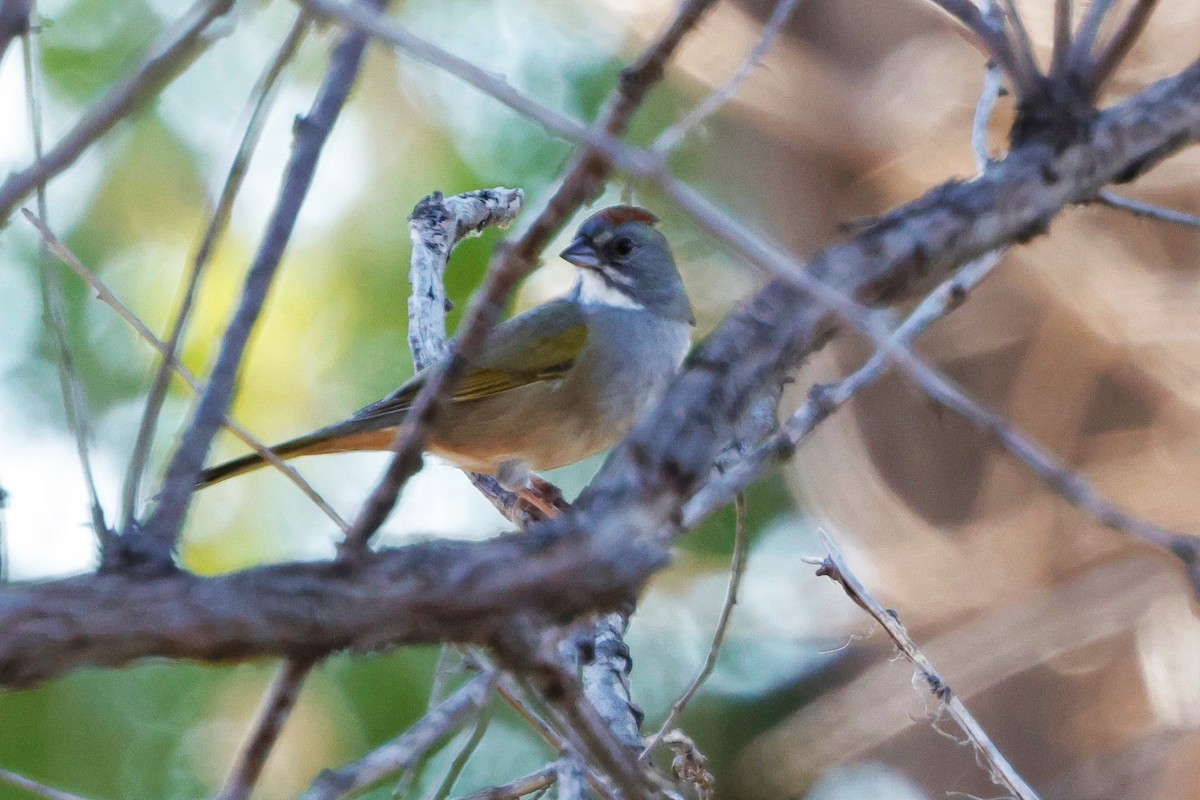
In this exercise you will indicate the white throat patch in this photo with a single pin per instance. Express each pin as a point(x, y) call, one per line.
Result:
point(595, 291)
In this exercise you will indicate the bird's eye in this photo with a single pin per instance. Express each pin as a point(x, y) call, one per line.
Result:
point(623, 246)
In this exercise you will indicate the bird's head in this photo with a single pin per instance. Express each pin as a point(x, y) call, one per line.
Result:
point(626, 262)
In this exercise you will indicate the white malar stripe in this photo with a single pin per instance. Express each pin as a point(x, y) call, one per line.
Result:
point(595, 291)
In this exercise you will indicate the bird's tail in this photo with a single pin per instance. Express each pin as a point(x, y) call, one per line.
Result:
point(340, 438)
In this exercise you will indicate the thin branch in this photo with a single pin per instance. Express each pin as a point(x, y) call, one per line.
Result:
point(277, 704)
point(263, 94)
point(1022, 46)
point(670, 138)
point(1138, 208)
point(463, 756)
point(155, 543)
point(989, 38)
point(513, 790)
point(105, 295)
point(736, 569)
point(159, 69)
point(14, 21)
point(32, 786)
point(983, 115)
point(1079, 59)
point(569, 776)
point(1002, 772)
point(1062, 38)
point(823, 401)
point(436, 226)
point(403, 751)
point(1120, 44)
point(75, 404)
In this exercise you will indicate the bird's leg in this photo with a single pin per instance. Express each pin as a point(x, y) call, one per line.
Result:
point(532, 489)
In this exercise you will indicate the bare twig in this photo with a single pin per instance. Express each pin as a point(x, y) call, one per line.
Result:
point(983, 115)
point(160, 68)
point(1114, 52)
point(403, 751)
point(264, 94)
point(277, 704)
point(834, 566)
point(14, 21)
point(823, 401)
point(989, 38)
point(570, 779)
point(437, 225)
point(671, 137)
point(1062, 38)
point(155, 543)
point(528, 784)
point(736, 568)
point(1022, 46)
point(106, 296)
point(1138, 208)
point(605, 678)
point(33, 787)
point(75, 404)
point(1079, 60)
point(463, 756)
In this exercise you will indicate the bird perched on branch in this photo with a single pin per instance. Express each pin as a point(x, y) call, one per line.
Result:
point(553, 385)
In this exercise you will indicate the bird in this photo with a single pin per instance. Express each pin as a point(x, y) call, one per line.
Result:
point(553, 385)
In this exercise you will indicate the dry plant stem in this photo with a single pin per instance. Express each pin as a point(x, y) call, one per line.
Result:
point(1062, 38)
point(605, 679)
point(277, 704)
point(14, 21)
point(169, 59)
point(670, 138)
point(834, 566)
point(983, 115)
point(1138, 208)
point(1079, 60)
point(106, 296)
point(406, 749)
point(1022, 45)
point(534, 781)
point(823, 401)
point(736, 569)
point(33, 787)
point(263, 96)
point(487, 206)
point(155, 543)
point(463, 756)
point(75, 404)
point(1120, 44)
point(989, 38)
point(570, 779)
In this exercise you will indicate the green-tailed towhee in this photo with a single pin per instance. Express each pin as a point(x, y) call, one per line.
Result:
point(555, 384)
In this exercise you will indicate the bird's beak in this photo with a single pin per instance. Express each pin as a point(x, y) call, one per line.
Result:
point(582, 254)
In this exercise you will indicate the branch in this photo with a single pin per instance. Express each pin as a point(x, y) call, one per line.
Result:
point(159, 69)
point(32, 786)
point(1120, 44)
point(1140, 209)
point(264, 92)
point(534, 781)
point(277, 705)
point(155, 543)
point(436, 227)
point(106, 296)
point(403, 751)
point(736, 568)
point(834, 567)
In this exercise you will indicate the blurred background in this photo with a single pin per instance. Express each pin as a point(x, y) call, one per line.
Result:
point(1076, 649)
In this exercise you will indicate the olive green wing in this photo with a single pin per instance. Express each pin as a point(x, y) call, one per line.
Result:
point(539, 345)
